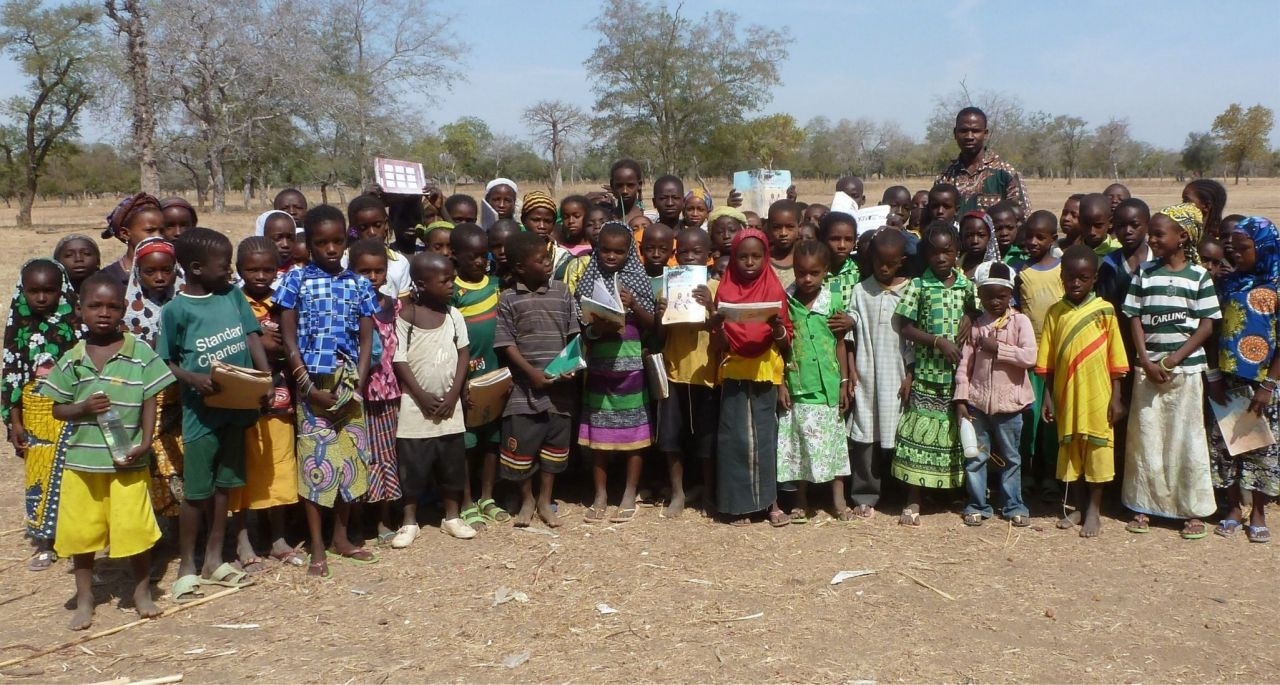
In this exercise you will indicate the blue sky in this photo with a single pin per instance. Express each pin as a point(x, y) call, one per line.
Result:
point(1169, 66)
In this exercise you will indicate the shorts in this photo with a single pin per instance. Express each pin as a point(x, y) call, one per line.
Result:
point(1083, 458)
point(688, 420)
point(444, 456)
point(213, 461)
point(484, 436)
point(106, 510)
point(530, 441)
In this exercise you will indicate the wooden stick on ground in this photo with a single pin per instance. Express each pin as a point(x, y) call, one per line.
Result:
point(118, 629)
point(921, 583)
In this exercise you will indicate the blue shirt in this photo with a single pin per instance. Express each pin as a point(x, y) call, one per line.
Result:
point(329, 310)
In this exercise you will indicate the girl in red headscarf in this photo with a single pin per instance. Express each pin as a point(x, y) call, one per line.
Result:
point(749, 378)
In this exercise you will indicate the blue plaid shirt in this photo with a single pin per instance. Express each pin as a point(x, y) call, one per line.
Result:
point(329, 310)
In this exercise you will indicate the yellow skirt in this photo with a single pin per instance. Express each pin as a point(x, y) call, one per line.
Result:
point(270, 468)
point(103, 510)
point(45, 457)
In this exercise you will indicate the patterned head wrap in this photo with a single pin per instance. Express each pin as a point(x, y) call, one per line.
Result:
point(1266, 267)
point(32, 341)
point(1191, 219)
point(725, 210)
point(536, 200)
point(128, 207)
point(1248, 340)
point(631, 275)
point(701, 195)
point(993, 248)
point(142, 310)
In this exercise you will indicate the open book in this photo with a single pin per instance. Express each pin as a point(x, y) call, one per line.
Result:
point(602, 305)
point(569, 360)
point(238, 387)
point(679, 284)
point(748, 312)
point(488, 395)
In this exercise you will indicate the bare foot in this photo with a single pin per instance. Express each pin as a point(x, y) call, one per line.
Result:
point(1092, 525)
point(675, 507)
point(83, 616)
point(142, 602)
point(547, 515)
point(525, 516)
point(1068, 521)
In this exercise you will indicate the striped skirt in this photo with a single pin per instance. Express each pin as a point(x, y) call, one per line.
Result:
point(747, 448)
point(381, 419)
point(615, 407)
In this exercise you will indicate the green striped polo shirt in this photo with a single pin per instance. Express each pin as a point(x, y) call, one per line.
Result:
point(132, 376)
point(1171, 305)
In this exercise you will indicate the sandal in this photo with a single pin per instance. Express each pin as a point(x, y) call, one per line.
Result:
point(227, 575)
point(973, 518)
point(1226, 528)
point(472, 517)
point(623, 515)
point(1020, 520)
point(1194, 530)
point(290, 558)
point(865, 511)
point(798, 516)
point(491, 511)
point(1258, 534)
point(385, 537)
point(319, 569)
point(1141, 525)
point(358, 555)
point(594, 515)
point(186, 589)
point(909, 518)
point(255, 564)
point(778, 519)
point(42, 560)
point(845, 515)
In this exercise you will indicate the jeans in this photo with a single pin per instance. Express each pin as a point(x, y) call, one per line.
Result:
point(1006, 431)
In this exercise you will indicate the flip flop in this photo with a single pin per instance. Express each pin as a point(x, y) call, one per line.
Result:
point(186, 589)
point(798, 516)
point(255, 564)
point(1226, 528)
point(317, 565)
point(593, 515)
point(490, 510)
point(909, 518)
point(227, 575)
point(290, 558)
point(1258, 534)
point(360, 556)
point(864, 511)
point(1140, 525)
point(1204, 532)
point(623, 515)
point(778, 519)
point(846, 515)
point(42, 560)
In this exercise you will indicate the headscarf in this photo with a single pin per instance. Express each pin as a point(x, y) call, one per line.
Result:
point(751, 339)
point(179, 202)
point(1248, 341)
point(142, 312)
point(536, 200)
point(993, 248)
point(631, 275)
point(725, 210)
point(1191, 219)
point(1266, 267)
point(441, 223)
point(32, 341)
point(502, 182)
point(260, 224)
point(701, 195)
point(62, 242)
point(120, 216)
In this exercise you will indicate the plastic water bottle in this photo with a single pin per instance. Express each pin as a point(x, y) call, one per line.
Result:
point(115, 435)
point(969, 439)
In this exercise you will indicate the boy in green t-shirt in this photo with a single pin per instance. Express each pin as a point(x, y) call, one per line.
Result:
point(209, 321)
point(475, 294)
point(104, 502)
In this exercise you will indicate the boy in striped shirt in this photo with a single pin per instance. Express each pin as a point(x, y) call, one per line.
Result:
point(1171, 305)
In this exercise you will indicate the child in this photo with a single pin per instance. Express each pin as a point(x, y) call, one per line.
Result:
point(813, 214)
point(687, 419)
point(208, 321)
point(536, 319)
point(853, 187)
point(625, 180)
point(697, 205)
point(1004, 226)
point(367, 220)
point(104, 504)
point(931, 315)
point(326, 321)
point(572, 236)
point(135, 218)
point(475, 295)
point(499, 233)
point(1082, 360)
point(881, 374)
point(270, 461)
point(461, 209)
point(1213, 257)
point(722, 224)
point(668, 199)
point(596, 218)
point(753, 220)
point(784, 225)
point(499, 201)
point(656, 252)
point(615, 407)
point(538, 214)
point(435, 238)
point(977, 245)
point(1129, 224)
point(278, 227)
point(1116, 193)
point(811, 429)
point(1038, 287)
point(840, 233)
point(944, 198)
point(368, 258)
point(42, 327)
point(718, 269)
point(1210, 198)
point(919, 213)
point(79, 257)
point(1172, 307)
point(1095, 224)
point(291, 201)
point(179, 216)
point(152, 285)
point(1246, 363)
point(1226, 228)
point(1069, 220)
point(747, 438)
point(898, 198)
point(431, 363)
point(638, 223)
point(992, 391)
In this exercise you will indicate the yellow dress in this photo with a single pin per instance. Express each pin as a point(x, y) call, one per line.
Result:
point(44, 461)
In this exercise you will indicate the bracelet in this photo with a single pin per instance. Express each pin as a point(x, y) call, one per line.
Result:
point(934, 344)
point(1213, 375)
point(1270, 384)
point(1162, 365)
point(844, 380)
point(781, 337)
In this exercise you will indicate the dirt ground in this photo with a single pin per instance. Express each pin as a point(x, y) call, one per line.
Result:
point(695, 601)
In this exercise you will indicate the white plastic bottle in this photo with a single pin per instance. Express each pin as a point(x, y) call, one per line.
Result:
point(969, 439)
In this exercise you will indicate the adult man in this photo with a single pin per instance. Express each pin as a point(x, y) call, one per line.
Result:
point(981, 176)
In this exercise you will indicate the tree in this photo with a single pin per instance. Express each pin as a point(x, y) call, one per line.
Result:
point(1200, 153)
point(467, 141)
point(54, 47)
point(1244, 134)
point(553, 124)
point(1070, 134)
point(130, 19)
point(1112, 143)
point(670, 79)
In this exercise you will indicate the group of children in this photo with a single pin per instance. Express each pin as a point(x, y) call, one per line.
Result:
point(933, 349)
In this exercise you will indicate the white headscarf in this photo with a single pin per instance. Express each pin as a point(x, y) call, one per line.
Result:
point(260, 226)
point(502, 182)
